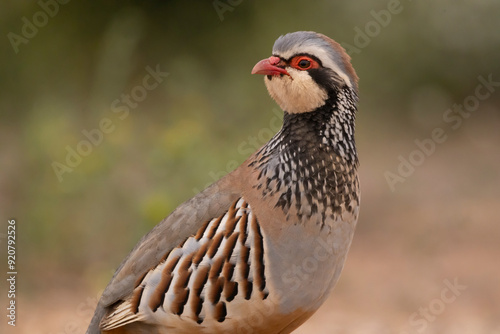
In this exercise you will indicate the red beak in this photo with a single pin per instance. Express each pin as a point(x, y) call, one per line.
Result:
point(268, 67)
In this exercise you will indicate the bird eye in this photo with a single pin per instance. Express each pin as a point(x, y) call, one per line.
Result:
point(304, 63)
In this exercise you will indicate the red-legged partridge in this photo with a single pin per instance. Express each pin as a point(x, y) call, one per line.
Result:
point(259, 250)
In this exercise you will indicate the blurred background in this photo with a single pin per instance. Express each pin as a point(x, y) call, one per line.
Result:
point(113, 113)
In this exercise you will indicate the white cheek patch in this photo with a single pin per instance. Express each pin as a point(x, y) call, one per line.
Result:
point(297, 94)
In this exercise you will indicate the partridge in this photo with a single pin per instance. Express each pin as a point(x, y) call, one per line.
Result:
point(259, 250)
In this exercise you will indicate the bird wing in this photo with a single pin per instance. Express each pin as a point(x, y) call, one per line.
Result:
point(201, 280)
point(153, 247)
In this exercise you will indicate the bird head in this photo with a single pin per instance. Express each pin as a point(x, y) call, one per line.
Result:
point(305, 70)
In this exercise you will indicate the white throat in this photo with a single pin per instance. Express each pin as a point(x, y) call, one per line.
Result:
point(296, 94)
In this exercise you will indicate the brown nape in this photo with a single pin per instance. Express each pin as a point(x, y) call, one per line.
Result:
point(345, 58)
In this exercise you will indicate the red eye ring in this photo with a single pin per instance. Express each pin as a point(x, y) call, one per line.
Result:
point(303, 63)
